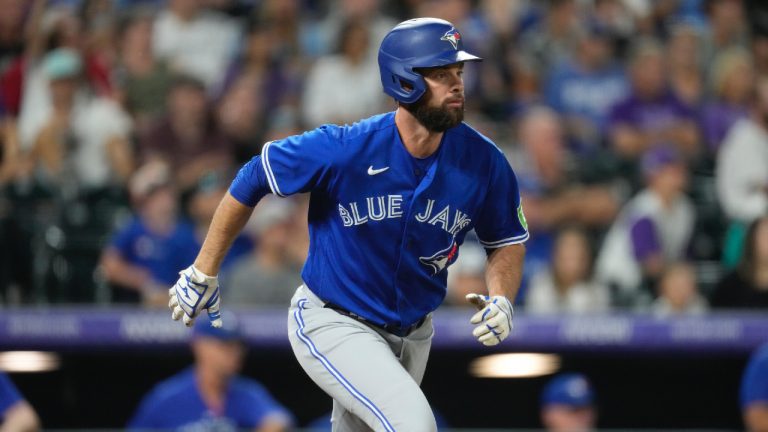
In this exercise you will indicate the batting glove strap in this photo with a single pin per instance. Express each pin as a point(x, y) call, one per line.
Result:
point(193, 292)
point(494, 320)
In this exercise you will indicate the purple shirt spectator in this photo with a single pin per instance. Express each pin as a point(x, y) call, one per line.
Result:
point(647, 115)
point(716, 119)
point(645, 241)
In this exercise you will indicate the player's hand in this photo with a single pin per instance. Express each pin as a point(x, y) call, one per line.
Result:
point(194, 292)
point(494, 317)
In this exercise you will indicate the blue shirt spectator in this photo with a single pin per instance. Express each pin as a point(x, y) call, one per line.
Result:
point(211, 396)
point(177, 404)
point(754, 391)
point(15, 413)
point(160, 254)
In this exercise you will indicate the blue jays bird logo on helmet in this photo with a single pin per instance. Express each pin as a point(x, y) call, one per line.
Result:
point(452, 36)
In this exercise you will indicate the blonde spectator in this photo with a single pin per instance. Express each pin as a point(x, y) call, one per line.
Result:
point(678, 293)
point(732, 84)
point(568, 286)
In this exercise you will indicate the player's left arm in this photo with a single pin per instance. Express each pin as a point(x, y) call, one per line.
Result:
point(502, 229)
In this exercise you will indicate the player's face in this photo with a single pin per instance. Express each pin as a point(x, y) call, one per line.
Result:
point(442, 106)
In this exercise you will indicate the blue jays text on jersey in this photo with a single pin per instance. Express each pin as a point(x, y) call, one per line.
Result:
point(383, 225)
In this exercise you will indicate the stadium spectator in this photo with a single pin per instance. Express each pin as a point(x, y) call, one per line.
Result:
point(549, 177)
point(141, 260)
point(552, 40)
point(732, 87)
point(187, 138)
point(651, 114)
point(26, 82)
point(467, 274)
point(195, 41)
point(567, 286)
point(742, 173)
point(746, 287)
point(258, 85)
point(678, 292)
point(325, 36)
point(210, 395)
point(84, 140)
point(16, 414)
point(684, 61)
point(652, 230)
point(551, 186)
point(568, 404)
point(327, 98)
point(726, 27)
point(754, 391)
point(144, 81)
point(742, 163)
point(266, 276)
point(11, 32)
point(585, 88)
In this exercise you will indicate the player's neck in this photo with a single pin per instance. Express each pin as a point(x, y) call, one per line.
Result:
point(417, 139)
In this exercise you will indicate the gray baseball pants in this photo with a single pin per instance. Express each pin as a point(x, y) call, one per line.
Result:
point(373, 376)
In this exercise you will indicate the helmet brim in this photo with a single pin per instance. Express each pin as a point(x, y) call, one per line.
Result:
point(444, 59)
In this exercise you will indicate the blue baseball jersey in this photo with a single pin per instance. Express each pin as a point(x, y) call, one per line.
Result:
point(176, 404)
point(754, 383)
point(384, 226)
point(9, 395)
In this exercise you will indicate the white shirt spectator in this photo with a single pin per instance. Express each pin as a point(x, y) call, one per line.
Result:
point(742, 171)
point(673, 227)
point(93, 126)
point(338, 91)
point(201, 47)
point(584, 297)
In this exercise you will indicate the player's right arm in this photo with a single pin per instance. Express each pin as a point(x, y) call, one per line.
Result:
point(296, 164)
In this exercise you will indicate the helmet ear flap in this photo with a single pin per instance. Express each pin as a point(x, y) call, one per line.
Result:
point(405, 86)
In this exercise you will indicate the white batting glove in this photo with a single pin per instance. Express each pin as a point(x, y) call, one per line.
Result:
point(194, 292)
point(494, 317)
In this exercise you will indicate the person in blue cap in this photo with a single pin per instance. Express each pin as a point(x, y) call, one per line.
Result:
point(754, 391)
point(568, 404)
point(210, 395)
point(16, 414)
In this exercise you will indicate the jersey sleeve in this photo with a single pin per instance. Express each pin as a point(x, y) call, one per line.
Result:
point(9, 395)
point(754, 383)
point(501, 221)
point(299, 163)
point(250, 184)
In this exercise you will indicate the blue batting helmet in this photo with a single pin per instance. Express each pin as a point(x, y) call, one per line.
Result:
point(418, 43)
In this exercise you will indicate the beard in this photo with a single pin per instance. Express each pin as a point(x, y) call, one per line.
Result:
point(435, 119)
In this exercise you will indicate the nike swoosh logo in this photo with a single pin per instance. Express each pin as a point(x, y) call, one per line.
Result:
point(372, 171)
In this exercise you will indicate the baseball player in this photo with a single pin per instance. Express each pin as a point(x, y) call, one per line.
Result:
point(392, 198)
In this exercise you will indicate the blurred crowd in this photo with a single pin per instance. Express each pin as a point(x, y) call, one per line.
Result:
point(628, 123)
